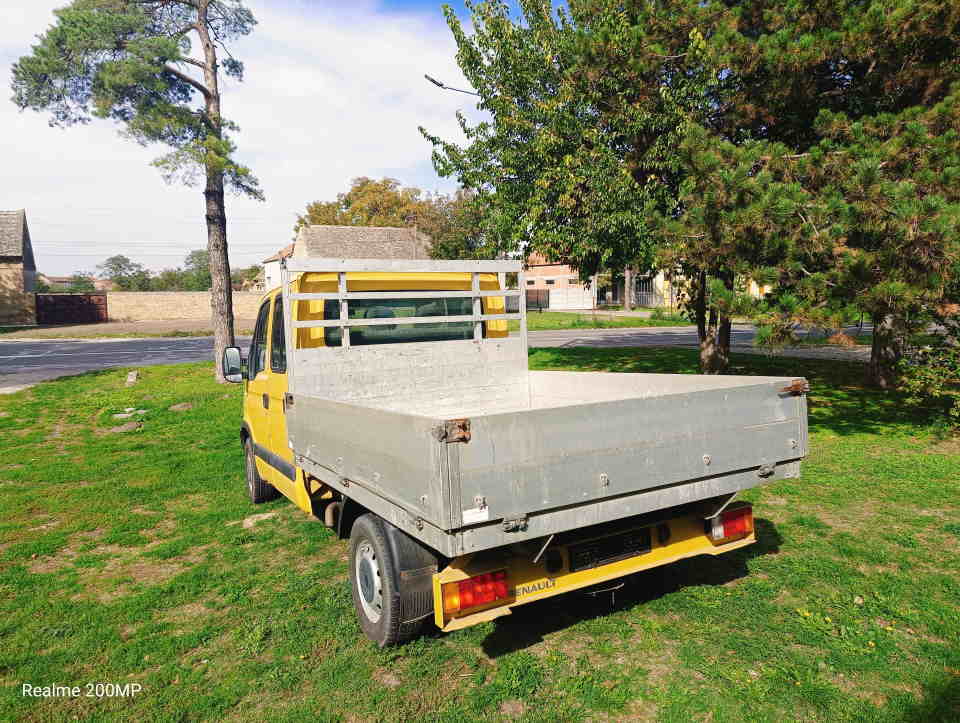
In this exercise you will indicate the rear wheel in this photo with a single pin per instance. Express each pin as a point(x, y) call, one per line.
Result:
point(259, 489)
point(372, 574)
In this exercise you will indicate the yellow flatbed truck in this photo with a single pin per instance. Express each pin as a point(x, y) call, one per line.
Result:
point(388, 399)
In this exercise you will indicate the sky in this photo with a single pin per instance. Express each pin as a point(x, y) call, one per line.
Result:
point(333, 91)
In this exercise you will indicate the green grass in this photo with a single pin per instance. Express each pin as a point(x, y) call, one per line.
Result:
point(551, 320)
point(122, 560)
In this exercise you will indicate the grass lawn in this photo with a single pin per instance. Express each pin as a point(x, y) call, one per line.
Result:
point(130, 554)
point(550, 320)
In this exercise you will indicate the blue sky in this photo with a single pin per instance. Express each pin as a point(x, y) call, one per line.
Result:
point(333, 91)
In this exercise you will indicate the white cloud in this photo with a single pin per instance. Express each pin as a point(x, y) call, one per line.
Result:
point(331, 93)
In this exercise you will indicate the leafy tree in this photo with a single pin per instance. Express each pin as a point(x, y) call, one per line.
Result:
point(549, 178)
point(126, 274)
point(169, 280)
point(452, 223)
point(243, 278)
point(368, 203)
point(42, 287)
point(80, 283)
point(197, 271)
point(456, 228)
point(132, 61)
point(579, 159)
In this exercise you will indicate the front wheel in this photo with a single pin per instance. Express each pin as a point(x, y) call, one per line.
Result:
point(259, 489)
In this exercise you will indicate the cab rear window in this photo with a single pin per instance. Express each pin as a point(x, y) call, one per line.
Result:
point(401, 333)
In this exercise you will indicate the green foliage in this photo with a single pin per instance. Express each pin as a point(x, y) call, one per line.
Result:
point(80, 283)
point(126, 274)
point(930, 371)
point(548, 174)
point(130, 62)
point(451, 222)
point(866, 97)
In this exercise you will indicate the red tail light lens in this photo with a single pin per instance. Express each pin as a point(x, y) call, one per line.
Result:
point(475, 591)
point(732, 524)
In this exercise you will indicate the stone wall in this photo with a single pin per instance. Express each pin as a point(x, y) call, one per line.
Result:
point(17, 307)
point(174, 305)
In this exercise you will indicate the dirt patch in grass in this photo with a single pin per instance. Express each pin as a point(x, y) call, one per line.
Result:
point(189, 503)
point(128, 427)
point(386, 678)
point(161, 531)
point(181, 407)
point(512, 708)
point(949, 446)
point(252, 521)
point(187, 613)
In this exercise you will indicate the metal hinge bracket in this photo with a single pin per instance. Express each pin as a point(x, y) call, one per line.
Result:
point(453, 430)
point(515, 524)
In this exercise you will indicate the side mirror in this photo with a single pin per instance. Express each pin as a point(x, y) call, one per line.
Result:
point(232, 365)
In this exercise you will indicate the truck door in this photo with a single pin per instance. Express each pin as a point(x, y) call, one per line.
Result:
point(256, 400)
point(283, 476)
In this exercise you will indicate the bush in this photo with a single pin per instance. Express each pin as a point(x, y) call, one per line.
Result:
point(669, 315)
point(931, 374)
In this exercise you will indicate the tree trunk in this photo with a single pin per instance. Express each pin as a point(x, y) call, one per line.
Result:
point(885, 353)
point(713, 331)
point(221, 291)
point(627, 289)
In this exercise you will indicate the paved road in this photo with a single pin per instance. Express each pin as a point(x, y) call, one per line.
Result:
point(23, 363)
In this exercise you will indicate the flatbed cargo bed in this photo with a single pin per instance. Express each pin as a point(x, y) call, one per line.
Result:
point(461, 446)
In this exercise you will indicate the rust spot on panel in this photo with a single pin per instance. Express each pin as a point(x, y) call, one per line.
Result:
point(797, 387)
point(454, 430)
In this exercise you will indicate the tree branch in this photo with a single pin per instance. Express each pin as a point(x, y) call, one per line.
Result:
point(187, 79)
point(191, 61)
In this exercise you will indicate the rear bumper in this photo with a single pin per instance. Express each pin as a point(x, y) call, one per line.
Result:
point(567, 565)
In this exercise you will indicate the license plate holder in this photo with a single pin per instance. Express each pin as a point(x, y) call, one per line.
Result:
point(602, 551)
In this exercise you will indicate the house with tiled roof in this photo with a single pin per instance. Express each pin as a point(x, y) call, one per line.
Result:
point(349, 242)
point(18, 271)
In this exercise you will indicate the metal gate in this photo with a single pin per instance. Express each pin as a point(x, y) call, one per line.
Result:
point(71, 308)
point(538, 299)
point(647, 295)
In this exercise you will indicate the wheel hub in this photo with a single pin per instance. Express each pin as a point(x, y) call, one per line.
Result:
point(369, 583)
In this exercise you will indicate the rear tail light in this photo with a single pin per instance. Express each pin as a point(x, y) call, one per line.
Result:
point(475, 591)
point(731, 524)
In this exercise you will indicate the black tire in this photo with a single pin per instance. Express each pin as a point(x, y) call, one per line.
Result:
point(372, 574)
point(259, 489)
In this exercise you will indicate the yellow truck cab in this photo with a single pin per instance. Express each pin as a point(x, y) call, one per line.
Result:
point(389, 400)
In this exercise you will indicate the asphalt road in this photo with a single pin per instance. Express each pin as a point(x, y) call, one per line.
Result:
point(23, 363)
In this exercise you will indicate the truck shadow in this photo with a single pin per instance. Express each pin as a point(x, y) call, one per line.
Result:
point(529, 624)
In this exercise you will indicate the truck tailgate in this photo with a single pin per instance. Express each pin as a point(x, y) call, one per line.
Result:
point(566, 451)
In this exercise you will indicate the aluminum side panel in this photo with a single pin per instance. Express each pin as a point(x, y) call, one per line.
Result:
point(528, 462)
point(390, 454)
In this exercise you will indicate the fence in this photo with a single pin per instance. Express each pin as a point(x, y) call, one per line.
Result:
point(71, 308)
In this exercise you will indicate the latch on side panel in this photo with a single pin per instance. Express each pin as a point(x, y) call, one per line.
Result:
point(515, 524)
point(453, 430)
point(796, 387)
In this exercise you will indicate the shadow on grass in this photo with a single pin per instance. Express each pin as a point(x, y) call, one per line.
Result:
point(528, 624)
point(839, 401)
point(940, 702)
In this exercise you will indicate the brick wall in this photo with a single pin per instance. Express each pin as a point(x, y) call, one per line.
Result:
point(16, 306)
point(174, 305)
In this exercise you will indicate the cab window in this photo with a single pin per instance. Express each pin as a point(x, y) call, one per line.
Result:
point(388, 308)
point(257, 358)
point(278, 341)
